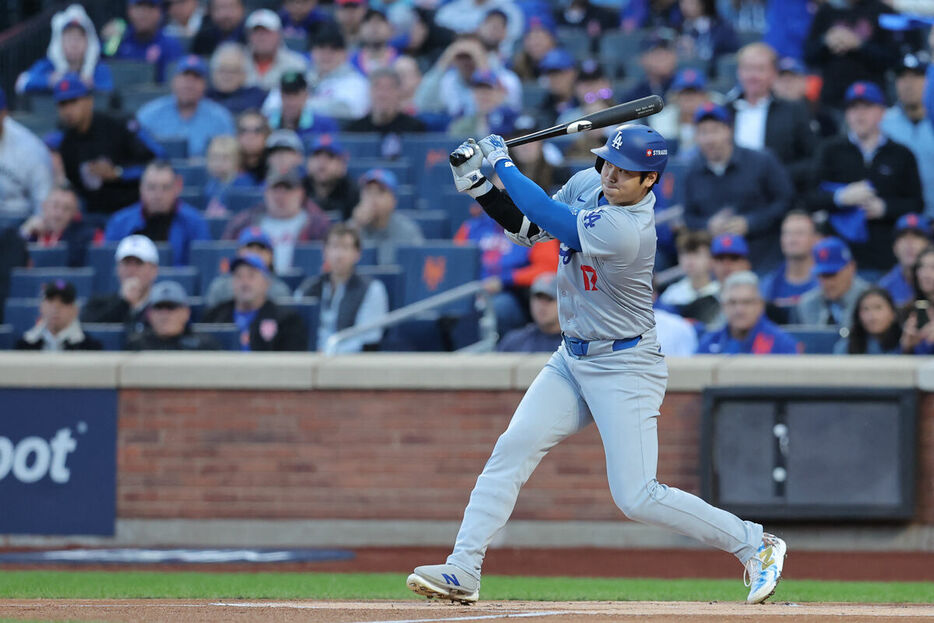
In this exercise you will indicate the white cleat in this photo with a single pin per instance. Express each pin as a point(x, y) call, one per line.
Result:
point(764, 570)
point(444, 582)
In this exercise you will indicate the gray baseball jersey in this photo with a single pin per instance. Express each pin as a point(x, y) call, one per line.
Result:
point(605, 290)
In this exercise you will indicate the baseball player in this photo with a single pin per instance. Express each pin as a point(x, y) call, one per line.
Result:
point(608, 368)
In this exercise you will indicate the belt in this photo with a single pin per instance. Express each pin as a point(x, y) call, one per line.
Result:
point(582, 348)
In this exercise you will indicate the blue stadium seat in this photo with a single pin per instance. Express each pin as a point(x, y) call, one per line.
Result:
point(7, 337)
point(293, 277)
point(10, 221)
point(369, 256)
point(406, 198)
point(238, 199)
point(211, 258)
point(196, 304)
point(393, 279)
point(193, 176)
point(27, 282)
point(814, 340)
point(672, 184)
point(434, 268)
point(358, 145)
point(47, 257)
point(134, 98)
point(403, 168)
point(457, 206)
point(217, 225)
point(533, 95)
point(194, 198)
point(617, 49)
point(112, 335)
point(297, 44)
point(308, 257)
point(226, 334)
point(187, 276)
point(21, 313)
point(433, 223)
point(308, 309)
point(433, 332)
point(174, 147)
point(101, 259)
point(575, 41)
point(127, 73)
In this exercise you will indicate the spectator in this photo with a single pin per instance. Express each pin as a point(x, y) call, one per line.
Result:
point(865, 181)
point(787, 24)
point(168, 315)
point(303, 18)
point(160, 215)
point(912, 235)
point(223, 165)
point(730, 254)
point(224, 23)
point(650, 14)
point(909, 123)
point(847, 45)
point(875, 329)
point(386, 116)
point(349, 15)
point(762, 120)
point(735, 190)
point(327, 183)
point(696, 295)
point(137, 268)
point(918, 331)
point(143, 38)
point(339, 90)
point(284, 151)
point(748, 331)
point(465, 16)
point(60, 222)
point(543, 334)
point(424, 39)
point(58, 328)
point(228, 87)
point(491, 116)
point(537, 159)
point(507, 269)
point(677, 337)
point(782, 288)
point(560, 73)
point(540, 38)
point(793, 84)
point(252, 132)
point(705, 36)
point(411, 77)
point(493, 33)
point(376, 216)
point(26, 166)
point(658, 60)
point(103, 157)
point(294, 110)
point(287, 217)
point(74, 47)
point(347, 298)
point(831, 304)
point(269, 58)
point(676, 121)
point(374, 51)
point(252, 241)
point(594, 18)
point(263, 325)
point(184, 18)
point(186, 112)
point(13, 254)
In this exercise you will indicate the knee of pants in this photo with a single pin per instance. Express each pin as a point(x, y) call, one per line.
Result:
point(511, 451)
point(638, 501)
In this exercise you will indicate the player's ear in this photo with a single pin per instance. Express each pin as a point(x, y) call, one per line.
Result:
point(649, 179)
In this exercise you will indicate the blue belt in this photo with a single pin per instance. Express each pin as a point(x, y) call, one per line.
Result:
point(582, 348)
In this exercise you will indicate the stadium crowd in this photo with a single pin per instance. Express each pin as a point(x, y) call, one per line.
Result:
point(222, 175)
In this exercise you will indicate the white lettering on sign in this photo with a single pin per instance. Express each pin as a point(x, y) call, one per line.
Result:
point(34, 458)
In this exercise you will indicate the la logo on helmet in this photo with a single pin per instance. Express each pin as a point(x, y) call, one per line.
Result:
point(618, 140)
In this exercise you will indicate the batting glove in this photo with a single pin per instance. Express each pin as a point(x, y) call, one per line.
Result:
point(494, 149)
point(467, 176)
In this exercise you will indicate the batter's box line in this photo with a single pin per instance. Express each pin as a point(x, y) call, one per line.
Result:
point(476, 617)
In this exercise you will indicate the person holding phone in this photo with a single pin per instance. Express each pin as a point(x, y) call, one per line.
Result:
point(918, 330)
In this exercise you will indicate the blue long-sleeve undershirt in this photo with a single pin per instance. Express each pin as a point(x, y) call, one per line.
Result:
point(557, 218)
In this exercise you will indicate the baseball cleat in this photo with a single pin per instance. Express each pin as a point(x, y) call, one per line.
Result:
point(764, 570)
point(444, 582)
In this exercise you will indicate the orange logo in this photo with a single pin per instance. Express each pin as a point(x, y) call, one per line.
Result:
point(434, 157)
point(433, 271)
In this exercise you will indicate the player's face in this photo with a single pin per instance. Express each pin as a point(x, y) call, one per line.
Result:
point(325, 167)
point(249, 287)
point(908, 247)
point(380, 197)
point(798, 237)
point(742, 306)
point(284, 201)
point(75, 113)
point(835, 285)
point(875, 314)
point(622, 187)
point(228, 74)
point(385, 96)
point(327, 58)
point(251, 135)
point(293, 104)
point(537, 43)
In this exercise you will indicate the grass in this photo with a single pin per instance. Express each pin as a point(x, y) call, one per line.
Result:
point(196, 585)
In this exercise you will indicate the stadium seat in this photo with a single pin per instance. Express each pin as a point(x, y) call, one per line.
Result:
point(132, 99)
point(217, 225)
point(228, 335)
point(187, 276)
point(174, 147)
point(101, 259)
point(10, 221)
point(392, 277)
point(27, 282)
point(112, 335)
point(672, 184)
point(358, 145)
point(457, 206)
point(617, 48)
point(433, 332)
point(434, 268)
point(297, 44)
point(211, 258)
point(193, 176)
point(129, 73)
point(292, 277)
point(433, 223)
point(47, 257)
point(533, 95)
point(196, 305)
point(21, 313)
point(308, 308)
point(7, 337)
point(238, 199)
point(402, 168)
point(308, 257)
point(194, 197)
point(575, 41)
point(814, 340)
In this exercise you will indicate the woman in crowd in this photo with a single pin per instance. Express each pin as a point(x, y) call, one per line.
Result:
point(875, 329)
point(918, 330)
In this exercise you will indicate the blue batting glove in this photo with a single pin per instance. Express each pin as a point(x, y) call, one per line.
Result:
point(494, 149)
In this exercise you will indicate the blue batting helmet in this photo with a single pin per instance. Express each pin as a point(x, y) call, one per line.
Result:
point(634, 147)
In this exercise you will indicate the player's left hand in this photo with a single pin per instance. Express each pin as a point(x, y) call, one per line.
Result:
point(494, 149)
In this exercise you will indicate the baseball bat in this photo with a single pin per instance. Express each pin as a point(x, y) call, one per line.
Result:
point(615, 115)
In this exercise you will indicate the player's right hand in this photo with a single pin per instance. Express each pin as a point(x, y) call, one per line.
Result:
point(467, 176)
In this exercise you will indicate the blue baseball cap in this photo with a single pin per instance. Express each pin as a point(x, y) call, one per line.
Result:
point(192, 64)
point(689, 78)
point(864, 92)
point(70, 87)
point(250, 259)
point(729, 244)
point(543, 21)
point(712, 111)
point(381, 176)
point(254, 235)
point(831, 255)
point(557, 60)
point(327, 142)
point(791, 65)
point(912, 222)
point(484, 77)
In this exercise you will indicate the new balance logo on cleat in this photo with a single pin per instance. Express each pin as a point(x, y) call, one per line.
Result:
point(444, 582)
point(450, 579)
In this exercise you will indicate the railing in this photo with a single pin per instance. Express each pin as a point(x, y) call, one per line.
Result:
point(472, 289)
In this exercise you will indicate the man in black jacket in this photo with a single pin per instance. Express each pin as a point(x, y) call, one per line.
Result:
point(137, 267)
point(328, 183)
point(58, 328)
point(263, 324)
point(168, 314)
point(865, 181)
point(762, 120)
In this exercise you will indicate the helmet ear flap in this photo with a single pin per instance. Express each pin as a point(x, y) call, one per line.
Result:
point(598, 165)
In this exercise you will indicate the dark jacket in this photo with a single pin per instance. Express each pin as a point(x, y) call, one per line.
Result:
point(790, 136)
point(113, 309)
point(13, 254)
point(180, 228)
point(240, 100)
point(209, 36)
point(189, 340)
point(529, 339)
point(274, 328)
point(354, 293)
point(343, 198)
point(77, 237)
point(400, 124)
point(75, 339)
point(894, 174)
point(755, 186)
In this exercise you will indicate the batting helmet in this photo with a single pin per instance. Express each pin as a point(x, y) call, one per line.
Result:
point(634, 147)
